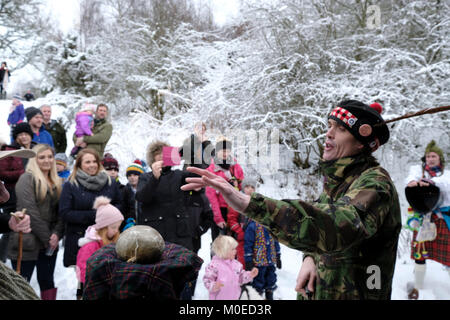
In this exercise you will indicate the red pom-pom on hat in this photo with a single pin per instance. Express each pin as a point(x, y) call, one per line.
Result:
point(377, 107)
point(138, 162)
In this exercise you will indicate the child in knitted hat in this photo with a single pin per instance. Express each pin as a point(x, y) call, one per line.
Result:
point(61, 166)
point(131, 207)
point(84, 124)
point(16, 115)
point(105, 231)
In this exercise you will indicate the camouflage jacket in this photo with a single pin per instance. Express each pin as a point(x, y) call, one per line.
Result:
point(352, 227)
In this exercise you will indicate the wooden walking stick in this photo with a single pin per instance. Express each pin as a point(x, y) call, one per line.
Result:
point(19, 255)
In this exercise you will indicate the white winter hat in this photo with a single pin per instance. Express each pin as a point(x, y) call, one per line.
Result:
point(106, 214)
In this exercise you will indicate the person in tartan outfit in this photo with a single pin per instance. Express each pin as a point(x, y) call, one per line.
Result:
point(431, 172)
point(355, 223)
point(109, 278)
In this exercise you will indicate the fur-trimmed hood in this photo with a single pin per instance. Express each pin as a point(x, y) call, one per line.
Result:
point(89, 236)
point(154, 148)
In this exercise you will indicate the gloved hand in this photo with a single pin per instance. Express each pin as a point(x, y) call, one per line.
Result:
point(249, 265)
point(130, 222)
point(278, 261)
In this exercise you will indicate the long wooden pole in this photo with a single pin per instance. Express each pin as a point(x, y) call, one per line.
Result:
point(19, 255)
point(416, 114)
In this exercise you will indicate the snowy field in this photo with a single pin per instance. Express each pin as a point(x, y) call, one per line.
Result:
point(437, 280)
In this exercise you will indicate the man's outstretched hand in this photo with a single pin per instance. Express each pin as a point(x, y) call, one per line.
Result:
point(233, 197)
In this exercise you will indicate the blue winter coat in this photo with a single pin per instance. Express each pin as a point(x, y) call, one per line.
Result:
point(43, 137)
point(251, 239)
point(76, 208)
point(17, 115)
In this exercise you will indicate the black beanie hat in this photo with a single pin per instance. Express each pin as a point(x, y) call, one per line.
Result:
point(22, 127)
point(364, 122)
point(31, 112)
point(109, 162)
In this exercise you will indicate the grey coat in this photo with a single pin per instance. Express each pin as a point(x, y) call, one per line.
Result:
point(44, 220)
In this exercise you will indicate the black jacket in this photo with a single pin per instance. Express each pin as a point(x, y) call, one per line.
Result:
point(58, 134)
point(202, 217)
point(164, 206)
point(131, 207)
point(76, 208)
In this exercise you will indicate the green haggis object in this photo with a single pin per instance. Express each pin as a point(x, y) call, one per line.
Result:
point(351, 231)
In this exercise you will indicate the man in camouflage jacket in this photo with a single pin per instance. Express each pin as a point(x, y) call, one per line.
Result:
point(350, 234)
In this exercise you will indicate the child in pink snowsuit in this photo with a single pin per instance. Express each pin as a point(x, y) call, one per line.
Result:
point(224, 275)
point(84, 123)
point(105, 231)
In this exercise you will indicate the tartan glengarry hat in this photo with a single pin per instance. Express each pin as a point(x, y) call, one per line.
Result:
point(364, 122)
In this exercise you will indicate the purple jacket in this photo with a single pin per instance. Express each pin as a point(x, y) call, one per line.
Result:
point(17, 115)
point(228, 272)
point(83, 124)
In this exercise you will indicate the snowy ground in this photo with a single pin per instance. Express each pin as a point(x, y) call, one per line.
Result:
point(437, 281)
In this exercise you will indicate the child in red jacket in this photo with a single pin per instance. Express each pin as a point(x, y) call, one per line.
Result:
point(237, 222)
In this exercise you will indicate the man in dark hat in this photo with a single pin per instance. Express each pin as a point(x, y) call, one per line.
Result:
point(350, 234)
point(8, 223)
point(35, 120)
point(12, 285)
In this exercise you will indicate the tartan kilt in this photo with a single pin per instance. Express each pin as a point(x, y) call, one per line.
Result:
point(109, 278)
point(439, 248)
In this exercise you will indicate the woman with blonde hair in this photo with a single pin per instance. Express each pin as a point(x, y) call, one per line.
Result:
point(88, 181)
point(38, 191)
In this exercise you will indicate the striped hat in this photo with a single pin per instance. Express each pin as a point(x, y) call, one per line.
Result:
point(61, 158)
point(135, 168)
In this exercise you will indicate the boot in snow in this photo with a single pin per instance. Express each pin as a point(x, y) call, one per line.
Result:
point(269, 295)
point(413, 293)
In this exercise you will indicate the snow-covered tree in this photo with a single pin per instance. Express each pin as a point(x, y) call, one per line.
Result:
point(66, 67)
point(20, 26)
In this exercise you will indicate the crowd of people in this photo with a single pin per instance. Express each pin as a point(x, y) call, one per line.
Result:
point(84, 203)
point(80, 200)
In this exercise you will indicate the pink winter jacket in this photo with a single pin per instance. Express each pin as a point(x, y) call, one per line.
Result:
point(228, 272)
point(215, 198)
point(89, 244)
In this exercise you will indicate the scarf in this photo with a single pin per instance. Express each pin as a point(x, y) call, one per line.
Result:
point(92, 183)
point(433, 171)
